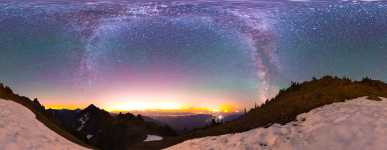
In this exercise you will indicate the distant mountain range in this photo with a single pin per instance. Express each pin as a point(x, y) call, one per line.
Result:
point(101, 129)
point(185, 123)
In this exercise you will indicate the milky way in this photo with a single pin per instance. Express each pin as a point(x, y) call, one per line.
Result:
point(237, 52)
point(175, 31)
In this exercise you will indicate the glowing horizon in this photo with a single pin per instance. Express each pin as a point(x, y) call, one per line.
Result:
point(155, 107)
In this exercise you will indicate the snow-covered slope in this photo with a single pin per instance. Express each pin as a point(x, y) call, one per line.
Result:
point(20, 130)
point(357, 124)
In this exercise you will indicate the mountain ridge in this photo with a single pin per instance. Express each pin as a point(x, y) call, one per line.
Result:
point(298, 98)
point(106, 131)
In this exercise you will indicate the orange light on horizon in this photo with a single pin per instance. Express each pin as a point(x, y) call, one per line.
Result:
point(169, 107)
point(143, 106)
point(225, 108)
point(62, 106)
point(155, 106)
point(147, 104)
point(164, 101)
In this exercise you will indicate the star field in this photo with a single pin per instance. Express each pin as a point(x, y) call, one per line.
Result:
point(194, 54)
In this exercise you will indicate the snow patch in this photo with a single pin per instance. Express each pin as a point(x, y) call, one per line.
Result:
point(89, 136)
point(352, 125)
point(153, 138)
point(20, 130)
point(83, 121)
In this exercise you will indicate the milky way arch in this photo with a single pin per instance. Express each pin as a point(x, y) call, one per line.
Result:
point(251, 26)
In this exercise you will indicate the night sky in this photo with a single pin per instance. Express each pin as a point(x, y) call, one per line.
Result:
point(180, 54)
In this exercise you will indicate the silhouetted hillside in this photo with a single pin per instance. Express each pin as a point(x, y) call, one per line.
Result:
point(298, 98)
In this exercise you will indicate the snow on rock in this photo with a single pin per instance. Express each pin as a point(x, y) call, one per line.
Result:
point(83, 121)
point(153, 138)
point(357, 124)
point(89, 136)
point(20, 130)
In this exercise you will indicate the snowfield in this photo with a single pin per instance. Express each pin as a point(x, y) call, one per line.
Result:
point(358, 124)
point(150, 138)
point(20, 130)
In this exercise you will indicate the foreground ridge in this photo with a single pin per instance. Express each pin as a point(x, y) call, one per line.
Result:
point(355, 124)
point(21, 130)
